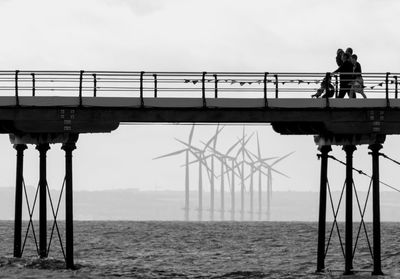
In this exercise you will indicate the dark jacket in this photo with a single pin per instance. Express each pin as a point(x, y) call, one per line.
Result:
point(345, 72)
point(357, 70)
point(339, 61)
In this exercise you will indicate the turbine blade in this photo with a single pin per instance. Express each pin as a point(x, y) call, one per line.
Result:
point(280, 159)
point(217, 132)
point(232, 147)
point(245, 143)
point(268, 158)
point(188, 145)
point(258, 147)
point(213, 138)
point(254, 155)
point(191, 134)
point(248, 156)
point(274, 170)
point(190, 163)
point(170, 154)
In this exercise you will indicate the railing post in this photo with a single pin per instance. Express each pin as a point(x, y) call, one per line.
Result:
point(203, 89)
point(33, 85)
point(216, 86)
point(141, 89)
point(265, 90)
point(327, 78)
point(336, 86)
point(94, 85)
point(16, 88)
point(276, 86)
point(80, 87)
point(395, 87)
point(387, 89)
point(155, 85)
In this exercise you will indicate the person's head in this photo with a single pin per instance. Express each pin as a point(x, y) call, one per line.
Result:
point(354, 59)
point(339, 51)
point(345, 57)
point(349, 51)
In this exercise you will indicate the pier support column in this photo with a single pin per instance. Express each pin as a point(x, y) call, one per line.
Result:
point(18, 199)
point(349, 149)
point(42, 148)
point(322, 207)
point(69, 222)
point(376, 219)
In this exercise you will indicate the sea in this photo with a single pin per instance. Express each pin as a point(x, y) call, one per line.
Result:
point(130, 249)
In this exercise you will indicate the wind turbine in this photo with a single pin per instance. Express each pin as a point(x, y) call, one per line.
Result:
point(186, 150)
point(270, 169)
point(214, 140)
point(269, 184)
point(253, 170)
point(242, 150)
point(223, 158)
point(202, 160)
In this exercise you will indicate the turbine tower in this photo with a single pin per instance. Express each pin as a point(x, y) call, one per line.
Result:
point(269, 184)
point(212, 188)
point(242, 151)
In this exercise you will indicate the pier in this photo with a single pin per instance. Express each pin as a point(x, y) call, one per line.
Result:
point(53, 107)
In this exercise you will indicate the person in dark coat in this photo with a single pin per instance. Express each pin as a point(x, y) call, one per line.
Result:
point(358, 83)
point(339, 54)
point(346, 76)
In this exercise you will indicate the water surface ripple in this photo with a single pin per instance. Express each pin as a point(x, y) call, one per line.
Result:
point(196, 250)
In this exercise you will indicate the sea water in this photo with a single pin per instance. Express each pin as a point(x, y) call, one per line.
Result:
point(114, 249)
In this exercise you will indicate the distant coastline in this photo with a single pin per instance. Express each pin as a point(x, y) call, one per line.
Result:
point(167, 205)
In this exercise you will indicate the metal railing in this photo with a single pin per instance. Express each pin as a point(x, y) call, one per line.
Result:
point(203, 85)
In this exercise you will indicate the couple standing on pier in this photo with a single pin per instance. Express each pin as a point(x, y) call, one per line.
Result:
point(351, 81)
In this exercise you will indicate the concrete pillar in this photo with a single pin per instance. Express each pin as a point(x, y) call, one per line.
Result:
point(349, 149)
point(322, 207)
point(18, 199)
point(42, 148)
point(376, 219)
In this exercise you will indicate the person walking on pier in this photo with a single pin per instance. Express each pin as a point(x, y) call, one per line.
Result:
point(345, 75)
point(327, 87)
point(358, 83)
point(339, 54)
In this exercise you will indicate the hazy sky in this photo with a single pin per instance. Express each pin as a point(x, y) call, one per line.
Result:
point(186, 35)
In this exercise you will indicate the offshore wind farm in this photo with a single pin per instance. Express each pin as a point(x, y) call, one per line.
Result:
point(98, 99)
point(241, 166)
